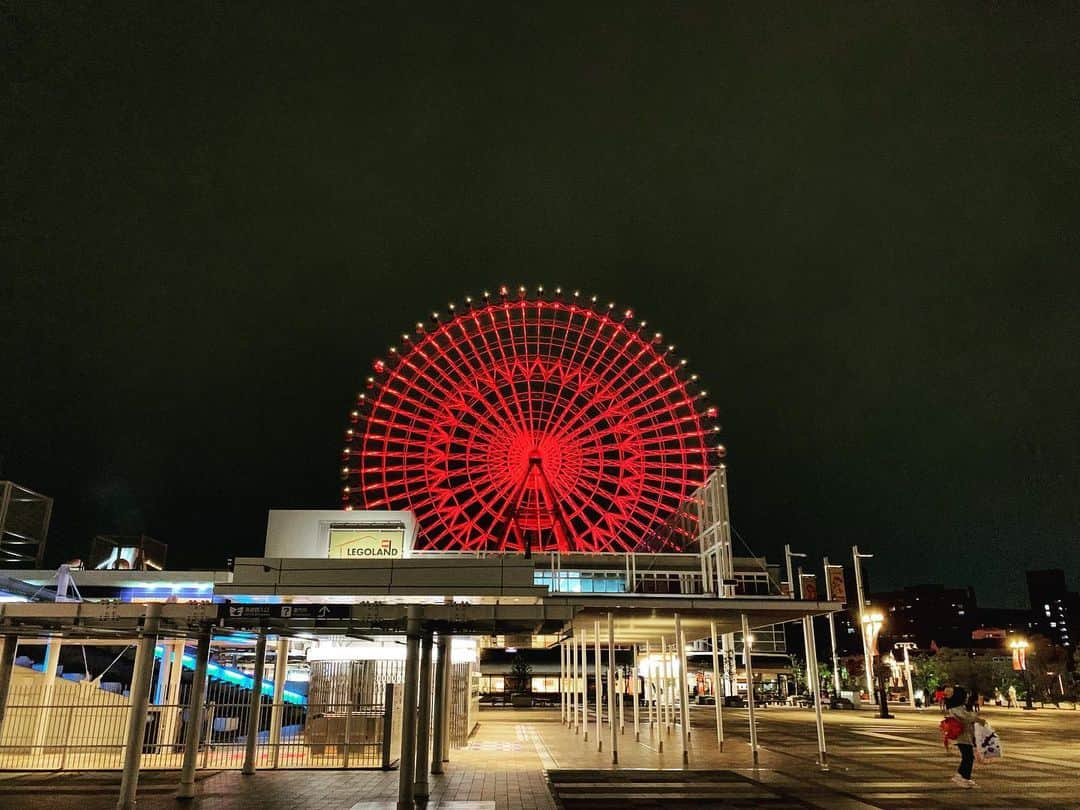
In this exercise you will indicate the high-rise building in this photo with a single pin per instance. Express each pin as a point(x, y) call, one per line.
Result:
point(1054, 608)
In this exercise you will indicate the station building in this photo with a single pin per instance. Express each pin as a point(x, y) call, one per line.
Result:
point(344, 622)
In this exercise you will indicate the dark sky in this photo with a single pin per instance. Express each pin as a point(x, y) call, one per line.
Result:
point(858, 222)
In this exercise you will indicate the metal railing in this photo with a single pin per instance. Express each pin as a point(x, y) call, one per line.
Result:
point(78, 726)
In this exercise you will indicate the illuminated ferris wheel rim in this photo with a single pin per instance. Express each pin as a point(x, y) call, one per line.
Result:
point(530, 422)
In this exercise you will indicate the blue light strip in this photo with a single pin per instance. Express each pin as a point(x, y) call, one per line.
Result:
point(236, 677)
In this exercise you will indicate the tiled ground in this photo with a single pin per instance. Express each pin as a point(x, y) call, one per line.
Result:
point(896, 763)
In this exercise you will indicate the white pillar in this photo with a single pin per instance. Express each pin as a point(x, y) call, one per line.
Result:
point(574, 683)
point(583, 652)
point(195, 717)
point(48, 683)
point(8, 649)
point(611, 689)
point(621, 688)
point(684, 691)
point(811, 655)
point(599, 688)
point(635, 692)
point(658, 696)
point(564, 682)
point(407, 765)
point(717, 690)
point(255, 706)
point(141, 679)
point(832, 634)
point(170, 712)
point(423, 718)
point(650, 693)
point(669, 703)
point(867, 657)
point(277, 702)
point(748, 665)
point(438, 739)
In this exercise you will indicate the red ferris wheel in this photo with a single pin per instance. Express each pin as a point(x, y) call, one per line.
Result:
point(524, 422)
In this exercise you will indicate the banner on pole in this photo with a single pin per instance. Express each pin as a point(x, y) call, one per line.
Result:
point(808, 586)
point(835, 591)
point(1019, 662)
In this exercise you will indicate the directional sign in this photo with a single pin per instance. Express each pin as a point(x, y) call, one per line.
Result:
point(285, 612)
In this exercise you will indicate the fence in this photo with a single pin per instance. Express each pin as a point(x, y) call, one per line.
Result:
point(351, 719)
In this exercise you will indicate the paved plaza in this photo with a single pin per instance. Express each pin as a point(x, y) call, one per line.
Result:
point(515, 754)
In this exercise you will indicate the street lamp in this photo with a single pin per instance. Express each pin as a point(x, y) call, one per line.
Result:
point(1019, 650)
point(872, 622)
point(856, 557)
point(907, 646)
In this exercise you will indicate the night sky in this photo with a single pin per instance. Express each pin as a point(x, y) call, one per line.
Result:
point(859, 223)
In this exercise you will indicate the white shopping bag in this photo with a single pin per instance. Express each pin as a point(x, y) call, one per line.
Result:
point(987, 742)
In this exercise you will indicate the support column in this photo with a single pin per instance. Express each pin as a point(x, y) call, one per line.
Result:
point(439, 716)
point(658, 681)
point(620, 682)
point(277, 707)
point(832, 635)
point(718, 696)
point(563, 706)
point(447, 698)
point(635, 693)
point(171, 711)
point(599, 688)
point(650, 692)
point(48, 669)
point(192, 732)
point(665, 674)
point(423, 719)
point(8, 647)
point(684, 689)
point(614, 737)
point(568, 693)
point(748, 665)
point(407, 766)
point(811, 655)
point(140, 697)
point(572, 649)
point(255, 706)
point(583, 649)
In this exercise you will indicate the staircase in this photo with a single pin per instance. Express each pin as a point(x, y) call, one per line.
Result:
point(652, 790)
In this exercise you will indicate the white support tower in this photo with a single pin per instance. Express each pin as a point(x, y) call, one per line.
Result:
point(710, 505)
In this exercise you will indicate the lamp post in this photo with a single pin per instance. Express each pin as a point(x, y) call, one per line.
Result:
point(906, 646)
point(871, 626)
point(1019, 649)
point(867, 657)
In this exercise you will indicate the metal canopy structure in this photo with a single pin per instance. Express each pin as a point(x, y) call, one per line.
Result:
point(637, 617)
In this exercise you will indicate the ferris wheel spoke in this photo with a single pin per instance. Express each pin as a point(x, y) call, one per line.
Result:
point(617, 390)
point(457, 390)
point(645, 413)
point(514, 411)
point(607, 370)
point(503, 411)
point(585, 364)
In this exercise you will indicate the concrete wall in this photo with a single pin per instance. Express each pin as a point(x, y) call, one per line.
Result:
point(306, 532)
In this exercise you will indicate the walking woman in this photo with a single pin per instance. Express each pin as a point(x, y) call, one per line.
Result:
point(957, 707)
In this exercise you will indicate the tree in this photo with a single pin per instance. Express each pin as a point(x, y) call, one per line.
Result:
point(981, 674)
point(798, 672)
point(1045, 662)
point(522, 673)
